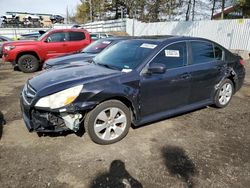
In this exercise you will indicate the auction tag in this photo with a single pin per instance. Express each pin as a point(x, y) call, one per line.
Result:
point(126, 70)
point(172, 53)
point(106, 42)
point(145, 45)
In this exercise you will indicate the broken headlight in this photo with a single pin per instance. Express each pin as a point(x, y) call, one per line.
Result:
point(60, 99)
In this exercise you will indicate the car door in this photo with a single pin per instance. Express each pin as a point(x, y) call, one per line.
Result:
point(77, 41)
point(169, 90)
point(55, 44)
point(207, 70)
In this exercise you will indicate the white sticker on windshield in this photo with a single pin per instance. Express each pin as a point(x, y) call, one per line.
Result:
point(172, 53)
point(146, 45)
point(126, 70)
point(106, 42)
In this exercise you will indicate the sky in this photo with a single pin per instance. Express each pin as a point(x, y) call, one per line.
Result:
point(38, 6)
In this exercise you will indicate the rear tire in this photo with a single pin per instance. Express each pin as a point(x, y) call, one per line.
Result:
point(224, 94)
point(28, 63)
point(109, 122)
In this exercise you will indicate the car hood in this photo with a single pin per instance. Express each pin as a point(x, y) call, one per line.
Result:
point(22, 42)
point(66, 59)
point(62, 78)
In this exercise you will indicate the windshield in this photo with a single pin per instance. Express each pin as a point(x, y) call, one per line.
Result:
point(125, 54)
point(97, 46)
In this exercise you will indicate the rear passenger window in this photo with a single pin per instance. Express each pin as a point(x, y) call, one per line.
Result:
point(173, 56)
point(202, 52)
point(76, 36)
point(218, 53)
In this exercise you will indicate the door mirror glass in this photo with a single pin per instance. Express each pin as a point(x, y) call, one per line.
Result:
point(157, 68)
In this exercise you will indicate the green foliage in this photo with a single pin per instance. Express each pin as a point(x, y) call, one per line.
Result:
point(149, 10)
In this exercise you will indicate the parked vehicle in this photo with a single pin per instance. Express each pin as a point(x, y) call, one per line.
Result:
point(2, 40)
point(86, 54)
point(132, 82)
point(29, 56)
point(96, 36)
point(32, 35)
point(57, 19)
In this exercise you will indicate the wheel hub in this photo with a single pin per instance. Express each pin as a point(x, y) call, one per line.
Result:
point(110, 123)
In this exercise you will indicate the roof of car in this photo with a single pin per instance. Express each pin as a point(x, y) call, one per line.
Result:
point(165, 38)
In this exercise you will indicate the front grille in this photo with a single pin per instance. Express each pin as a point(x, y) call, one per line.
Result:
point(28, 93)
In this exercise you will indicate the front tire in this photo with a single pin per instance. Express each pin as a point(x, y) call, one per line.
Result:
point(109, 122)
point(28, 63)
point(224, 94)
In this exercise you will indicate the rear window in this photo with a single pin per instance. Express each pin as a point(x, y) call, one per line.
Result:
point(218, 53)
point(202, 52)
point(76, 36)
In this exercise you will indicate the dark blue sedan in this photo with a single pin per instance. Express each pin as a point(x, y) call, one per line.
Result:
point(132, 82)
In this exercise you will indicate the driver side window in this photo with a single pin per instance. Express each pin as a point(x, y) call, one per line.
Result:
point(173, 56)
point(57, 37)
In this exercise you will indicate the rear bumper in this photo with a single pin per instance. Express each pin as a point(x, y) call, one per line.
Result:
point(240, 80)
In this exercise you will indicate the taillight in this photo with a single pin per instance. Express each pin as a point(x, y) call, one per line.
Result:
point(242, 62)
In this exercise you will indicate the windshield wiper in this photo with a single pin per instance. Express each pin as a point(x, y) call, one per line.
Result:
point(108, 66)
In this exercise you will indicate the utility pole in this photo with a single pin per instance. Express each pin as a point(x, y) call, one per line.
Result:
point(67, 15)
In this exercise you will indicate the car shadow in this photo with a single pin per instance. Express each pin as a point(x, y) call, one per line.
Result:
point(179, 164)
point(2, 123)
point(117, 177)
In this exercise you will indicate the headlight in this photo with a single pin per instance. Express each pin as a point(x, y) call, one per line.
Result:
point(61, 98)
point(8, 48)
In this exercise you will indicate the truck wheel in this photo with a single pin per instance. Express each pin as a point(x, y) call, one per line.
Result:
point(28, 63)
point(109, 122)
point(224, 94)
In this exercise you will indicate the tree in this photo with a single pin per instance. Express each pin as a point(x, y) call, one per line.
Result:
point(188, 10)
point(222, 9)
point(212, 14)
point(83, 12)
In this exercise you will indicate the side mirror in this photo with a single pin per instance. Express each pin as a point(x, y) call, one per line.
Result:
point(47, 40)
point(156, 68)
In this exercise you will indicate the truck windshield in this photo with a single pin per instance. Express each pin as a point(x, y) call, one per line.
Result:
point(126, 54)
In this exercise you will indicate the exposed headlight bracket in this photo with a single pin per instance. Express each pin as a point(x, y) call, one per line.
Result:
point(72, 121)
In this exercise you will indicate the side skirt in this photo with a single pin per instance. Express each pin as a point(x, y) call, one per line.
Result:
point(169, 113)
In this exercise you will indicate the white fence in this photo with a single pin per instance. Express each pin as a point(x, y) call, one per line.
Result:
point(232, 34)
point(106, 26)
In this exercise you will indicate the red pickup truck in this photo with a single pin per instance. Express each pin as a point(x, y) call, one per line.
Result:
point(29, 56)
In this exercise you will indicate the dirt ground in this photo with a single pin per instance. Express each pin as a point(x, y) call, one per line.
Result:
point(206, 148)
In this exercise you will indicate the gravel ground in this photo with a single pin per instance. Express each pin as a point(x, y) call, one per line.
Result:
point(205, 148)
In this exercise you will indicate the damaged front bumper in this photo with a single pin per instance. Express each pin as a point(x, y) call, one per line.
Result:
point(48, 121)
